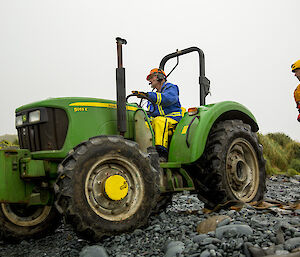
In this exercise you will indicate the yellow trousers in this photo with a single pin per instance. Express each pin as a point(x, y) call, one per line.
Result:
point(161, 126)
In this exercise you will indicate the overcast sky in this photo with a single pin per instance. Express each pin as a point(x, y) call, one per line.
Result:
point(67, 48)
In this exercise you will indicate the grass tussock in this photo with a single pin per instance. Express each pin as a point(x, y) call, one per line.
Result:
point(6, 144)
point(282, 154)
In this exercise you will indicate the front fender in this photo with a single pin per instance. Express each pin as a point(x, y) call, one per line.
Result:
point(189, 139)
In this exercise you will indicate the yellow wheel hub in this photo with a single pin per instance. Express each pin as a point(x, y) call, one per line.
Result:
point(116, 187)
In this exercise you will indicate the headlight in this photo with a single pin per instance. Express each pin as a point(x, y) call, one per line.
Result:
point(34, 116)
point(19, 120)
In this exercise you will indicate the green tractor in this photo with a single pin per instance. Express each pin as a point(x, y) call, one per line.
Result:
point(93, 161)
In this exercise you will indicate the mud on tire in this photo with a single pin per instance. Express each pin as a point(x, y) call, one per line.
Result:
point(19, 222)
point(232, 167)
point(80, 187)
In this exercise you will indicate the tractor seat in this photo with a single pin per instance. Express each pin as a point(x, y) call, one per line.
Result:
point(173, 127)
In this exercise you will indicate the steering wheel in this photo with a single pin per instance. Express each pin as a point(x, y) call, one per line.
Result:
point(140, 104)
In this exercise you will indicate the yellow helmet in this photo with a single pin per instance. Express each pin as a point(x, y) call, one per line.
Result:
point(295, 66)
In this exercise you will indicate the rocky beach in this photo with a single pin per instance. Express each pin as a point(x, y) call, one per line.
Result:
point(185, 228)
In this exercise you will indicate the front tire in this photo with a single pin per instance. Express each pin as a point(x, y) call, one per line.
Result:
point(89, 198)
point(233, 167)
point(19, 222)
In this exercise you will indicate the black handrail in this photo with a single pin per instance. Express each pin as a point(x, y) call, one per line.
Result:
point(203, 81)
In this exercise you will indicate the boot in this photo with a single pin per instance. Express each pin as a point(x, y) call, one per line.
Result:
point(162, 152)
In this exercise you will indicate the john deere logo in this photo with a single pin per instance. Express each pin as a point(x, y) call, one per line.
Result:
point(24, 118)
point(123, 186)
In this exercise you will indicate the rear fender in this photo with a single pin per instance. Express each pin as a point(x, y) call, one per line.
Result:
point(189, 139)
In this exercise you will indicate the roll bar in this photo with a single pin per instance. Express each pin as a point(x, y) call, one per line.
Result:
point(204, 82)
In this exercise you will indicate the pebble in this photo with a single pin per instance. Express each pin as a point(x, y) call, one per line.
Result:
point(93, 251)
point(174, 249)
point(233, 230)
point(281, 252)
point(205, 253)
point(292, 243)
point(199, 238)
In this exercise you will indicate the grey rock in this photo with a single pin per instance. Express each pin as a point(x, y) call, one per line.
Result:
point(212, 253)
point(195, 255)
point(234, 229)
point(292, 243)
point(205, 253)
point(224, 222)
point(157, 228)
point(279, 236)
point(239, 243)
point(259, 221)
point(246, 247)
point(138, 232)
point(270, 250)
point(199, 238)
point(163, 216)
point(211, 233)
point(93, 251)
point(286, 225)
point(294, 181)
point(281, 252)
point(174, 249)
point(212, 247)
point(209, 240)
point(256, 251)
point(279, 247)
point(286, 255)
point(25, 243)
point(231, 213)
point(273, 178)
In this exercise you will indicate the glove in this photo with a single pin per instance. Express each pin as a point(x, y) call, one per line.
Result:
point(140, 94)
point(298, 119)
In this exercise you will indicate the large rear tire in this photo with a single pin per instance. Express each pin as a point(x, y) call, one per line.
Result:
point(18, 221)
point(88, 193)
point(233, 167)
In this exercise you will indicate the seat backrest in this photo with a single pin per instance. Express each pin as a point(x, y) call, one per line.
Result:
point(183, 111)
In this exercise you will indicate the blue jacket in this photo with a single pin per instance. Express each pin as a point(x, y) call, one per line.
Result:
point(167, 102)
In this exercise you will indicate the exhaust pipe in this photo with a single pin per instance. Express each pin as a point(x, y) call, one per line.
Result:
point(121, 91)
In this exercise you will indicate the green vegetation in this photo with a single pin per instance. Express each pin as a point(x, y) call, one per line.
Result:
point(4, 144)
point(9, 141)
point(282, 154)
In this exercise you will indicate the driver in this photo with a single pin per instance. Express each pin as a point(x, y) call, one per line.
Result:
point(167, 111)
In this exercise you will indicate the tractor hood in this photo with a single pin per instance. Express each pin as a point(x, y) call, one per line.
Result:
point(65, 102)
point(50, 128)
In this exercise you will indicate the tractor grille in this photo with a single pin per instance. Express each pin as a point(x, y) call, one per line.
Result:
point(48, 133)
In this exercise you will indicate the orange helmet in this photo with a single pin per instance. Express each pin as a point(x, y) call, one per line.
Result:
point(159, 72)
